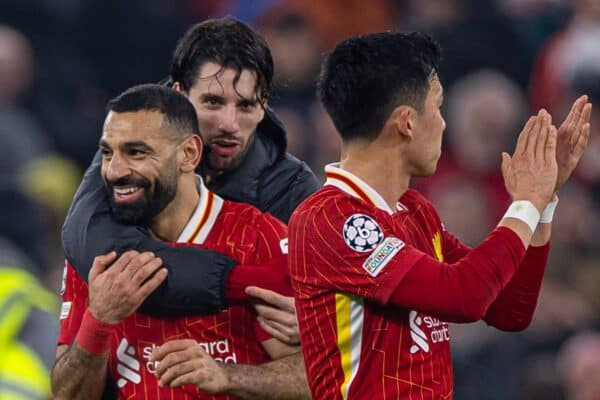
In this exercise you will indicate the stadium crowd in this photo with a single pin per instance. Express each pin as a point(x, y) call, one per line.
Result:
point(61, 60)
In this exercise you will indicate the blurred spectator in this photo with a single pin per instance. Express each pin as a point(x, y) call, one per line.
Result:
point(473, 35)
point(463, 205)
point(484, 113)
point(311, 136)
point(28, 328)
point(540, 379)
point(22, 139)
point(334, 20)
point(584, 275)
point(589, 171)
point(565, 54)
point(560, 310)
point(326, 143)
point(296, 56)
point(576, 221)
point(21, 223)
point(579, 366)
point(535, 20)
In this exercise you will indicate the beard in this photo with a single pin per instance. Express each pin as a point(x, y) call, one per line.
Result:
point(214, 162)
point(155, 197)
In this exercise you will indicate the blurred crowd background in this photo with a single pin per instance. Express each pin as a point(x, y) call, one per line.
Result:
point(61, 60)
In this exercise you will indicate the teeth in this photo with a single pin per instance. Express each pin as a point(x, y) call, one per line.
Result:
point(126, 190)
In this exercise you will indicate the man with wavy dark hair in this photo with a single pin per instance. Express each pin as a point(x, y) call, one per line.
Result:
point(225, 69)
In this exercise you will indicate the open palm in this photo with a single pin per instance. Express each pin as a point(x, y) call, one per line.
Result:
point(572, 139)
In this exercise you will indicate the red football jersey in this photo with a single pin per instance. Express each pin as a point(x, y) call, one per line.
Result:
point(237, 230)
point(355, 347)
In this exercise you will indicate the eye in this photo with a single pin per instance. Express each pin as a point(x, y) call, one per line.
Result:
point(246, 106)
point(212, 101)
point(105, 152)
point(136, 153)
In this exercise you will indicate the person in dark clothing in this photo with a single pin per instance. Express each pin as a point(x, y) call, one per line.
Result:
point(214, 65)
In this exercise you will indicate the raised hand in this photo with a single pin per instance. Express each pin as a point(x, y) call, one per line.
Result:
point(531, 172)
point(118, 291)
point(184, 362)
point(572, 138)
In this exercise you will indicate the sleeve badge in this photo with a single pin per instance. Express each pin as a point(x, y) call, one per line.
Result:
point(361, 233)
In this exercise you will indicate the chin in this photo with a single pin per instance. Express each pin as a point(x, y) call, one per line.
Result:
point(223, 164)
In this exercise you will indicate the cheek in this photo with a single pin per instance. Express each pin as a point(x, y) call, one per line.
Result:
point(247, 124)
point(208, 121)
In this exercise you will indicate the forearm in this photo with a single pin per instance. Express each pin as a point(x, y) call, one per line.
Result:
point(78, 374)
point(462, 291)
point(514, 307)
point(282, 379)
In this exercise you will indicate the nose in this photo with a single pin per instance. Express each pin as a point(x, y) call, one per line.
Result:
point(116, 168)
point(229, 122)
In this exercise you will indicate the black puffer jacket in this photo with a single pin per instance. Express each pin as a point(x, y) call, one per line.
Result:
point(268, 178)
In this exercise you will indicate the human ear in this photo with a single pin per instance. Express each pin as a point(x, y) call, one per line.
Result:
point(403, 120)
point(177, 87)
point(191, 153)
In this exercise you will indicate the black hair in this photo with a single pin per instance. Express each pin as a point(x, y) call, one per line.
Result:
point(366, 77)
point(229, 43)
point(178, 111)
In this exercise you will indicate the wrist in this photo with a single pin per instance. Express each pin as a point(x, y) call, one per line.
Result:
point(548, 213)
point(94, 335)
point(525, 211)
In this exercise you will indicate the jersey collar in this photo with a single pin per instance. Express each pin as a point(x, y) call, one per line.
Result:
point(203, 218)
point(354, 186)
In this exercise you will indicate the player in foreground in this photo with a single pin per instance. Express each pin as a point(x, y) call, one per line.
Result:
point(150, 150)
point(375, 274)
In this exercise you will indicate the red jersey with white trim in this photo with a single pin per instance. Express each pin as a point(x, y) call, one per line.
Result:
point(237, 230)
point(355, 347)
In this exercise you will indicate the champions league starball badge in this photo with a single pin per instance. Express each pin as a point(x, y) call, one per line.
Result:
point(361, 233)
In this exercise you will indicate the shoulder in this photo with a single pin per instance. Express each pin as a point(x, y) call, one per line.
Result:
point(333, 207)
point(246, 215)
point(288, 171)
point(419, 204)
point(415, 200)
point(285, 185)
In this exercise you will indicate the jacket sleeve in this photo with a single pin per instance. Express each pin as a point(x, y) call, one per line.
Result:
point(89, 230)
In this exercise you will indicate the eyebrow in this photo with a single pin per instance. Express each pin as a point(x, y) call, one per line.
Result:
point(241, 101)
point(137, 145)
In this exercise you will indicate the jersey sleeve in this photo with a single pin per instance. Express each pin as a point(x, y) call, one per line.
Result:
point(514, 307)
point(346, 246)
point(272, 255)
point(454, 249)
point(272, 241)
point(74, 293)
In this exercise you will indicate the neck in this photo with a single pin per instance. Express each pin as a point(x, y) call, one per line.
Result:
point(209, 175)
point(169, 224)
point(379, 165)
